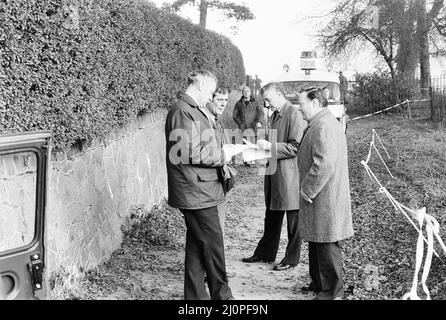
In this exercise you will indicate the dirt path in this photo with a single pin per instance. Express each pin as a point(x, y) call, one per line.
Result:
point(258, 280)
point(378, 261)
point(134, 273)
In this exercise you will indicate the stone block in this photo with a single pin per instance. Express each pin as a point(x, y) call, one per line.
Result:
point(10, 166)
point(80, 169)
point(97, 157)
point(69, 189)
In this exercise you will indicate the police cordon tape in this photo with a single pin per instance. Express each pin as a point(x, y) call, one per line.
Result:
point(389, 108)
point(432, 227)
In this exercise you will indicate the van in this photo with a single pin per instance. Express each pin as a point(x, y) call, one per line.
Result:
point(294, 81)
point(24, 163)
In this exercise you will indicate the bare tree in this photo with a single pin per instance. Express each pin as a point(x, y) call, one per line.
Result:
point(229, 9)
point(401, 37)
point(347, 25)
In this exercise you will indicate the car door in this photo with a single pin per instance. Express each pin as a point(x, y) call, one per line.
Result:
point(24, 161)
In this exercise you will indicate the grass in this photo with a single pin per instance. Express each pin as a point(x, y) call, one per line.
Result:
point(383, 236)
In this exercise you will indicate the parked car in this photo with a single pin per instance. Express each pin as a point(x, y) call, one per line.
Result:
point(24, 161)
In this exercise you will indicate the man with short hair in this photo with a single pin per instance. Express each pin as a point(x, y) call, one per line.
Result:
point(214, 110)
point(325, 218)
point(248, 115)
point(193, 160)
point(281, 180)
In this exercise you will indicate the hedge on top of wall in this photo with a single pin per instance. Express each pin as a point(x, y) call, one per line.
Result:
point(82, 67)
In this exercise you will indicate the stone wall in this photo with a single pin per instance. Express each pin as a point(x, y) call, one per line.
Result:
point(91, 193)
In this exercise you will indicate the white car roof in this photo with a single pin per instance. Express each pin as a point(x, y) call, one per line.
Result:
point(316, 75)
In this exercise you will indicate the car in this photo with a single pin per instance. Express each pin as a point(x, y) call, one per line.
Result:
point(294, 81)
point(24, 163)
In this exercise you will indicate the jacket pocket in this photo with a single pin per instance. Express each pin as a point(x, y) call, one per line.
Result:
point(207, 176)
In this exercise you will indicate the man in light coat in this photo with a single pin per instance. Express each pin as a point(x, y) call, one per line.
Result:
point(281, 180)
point(193, 161)
point(325, 217)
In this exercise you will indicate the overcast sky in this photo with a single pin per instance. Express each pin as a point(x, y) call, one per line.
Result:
point(277, 35)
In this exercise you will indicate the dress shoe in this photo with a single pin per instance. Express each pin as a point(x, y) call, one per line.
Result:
point(254, 259)
point(283, 266)
point(308, 289)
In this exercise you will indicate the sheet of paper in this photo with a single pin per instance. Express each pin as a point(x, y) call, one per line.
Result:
point(255, 154)
point(250, 144)
point(235, 148)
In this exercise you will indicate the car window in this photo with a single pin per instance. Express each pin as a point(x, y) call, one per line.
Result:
point(293, 89)
point(18, 183)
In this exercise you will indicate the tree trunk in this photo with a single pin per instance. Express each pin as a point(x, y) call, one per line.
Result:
point(422, 35)
point(407, 56)
point(203, 12)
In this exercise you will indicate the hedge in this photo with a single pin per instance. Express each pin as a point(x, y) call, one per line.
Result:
point(376, 91)
point(82, 67)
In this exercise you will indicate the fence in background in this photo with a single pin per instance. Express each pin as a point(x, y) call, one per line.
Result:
point(372, 94)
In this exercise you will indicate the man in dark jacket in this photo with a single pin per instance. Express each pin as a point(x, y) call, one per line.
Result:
point(281, 180)
point(248, 115)
point(214, 110)
point(193, 159)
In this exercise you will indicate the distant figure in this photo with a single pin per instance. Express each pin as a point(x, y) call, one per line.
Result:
point(248, 115)
point(343, 87)
point(250, 83)
point(257, 86)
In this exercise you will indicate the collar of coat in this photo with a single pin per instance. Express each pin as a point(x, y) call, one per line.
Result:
point(282, 111)
point(252, 99)
point(188, 99)
point(319, 116)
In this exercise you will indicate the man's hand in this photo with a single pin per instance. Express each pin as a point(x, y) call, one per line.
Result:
point(263, 144)
point(259, 125)
point(305, 197)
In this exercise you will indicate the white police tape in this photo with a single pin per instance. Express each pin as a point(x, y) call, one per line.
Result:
point(386, 109)
point(432, 228)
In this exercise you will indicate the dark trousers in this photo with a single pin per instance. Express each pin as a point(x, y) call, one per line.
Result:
point(204, 255)
point(325, 261)
point(269, 244)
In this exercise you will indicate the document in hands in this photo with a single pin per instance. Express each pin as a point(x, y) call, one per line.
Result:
point(250, 151)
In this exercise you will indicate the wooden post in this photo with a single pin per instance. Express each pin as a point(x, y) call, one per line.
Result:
point(431, 102)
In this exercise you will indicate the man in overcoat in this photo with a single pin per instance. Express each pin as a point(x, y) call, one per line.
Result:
point(325, 217)
point(281, 185)
point(193, 159)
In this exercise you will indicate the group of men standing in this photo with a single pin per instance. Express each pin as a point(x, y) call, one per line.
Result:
point(306, 178)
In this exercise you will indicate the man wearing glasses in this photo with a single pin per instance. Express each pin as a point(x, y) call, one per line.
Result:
point(325, 218)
